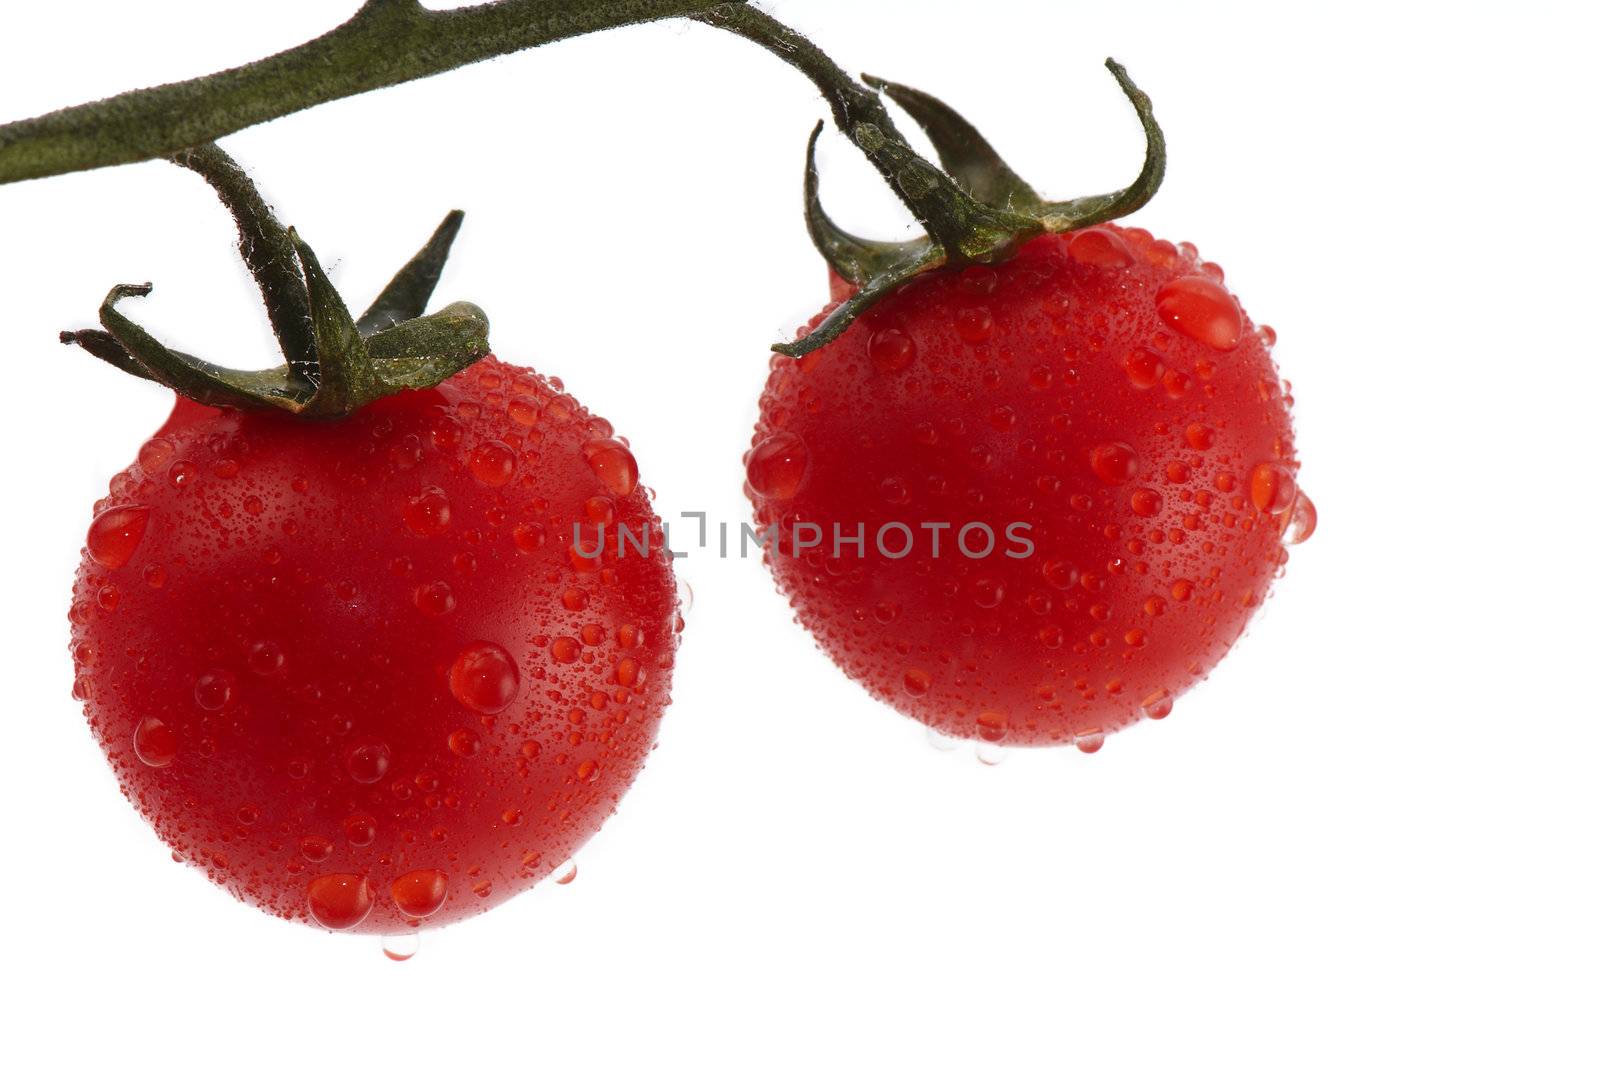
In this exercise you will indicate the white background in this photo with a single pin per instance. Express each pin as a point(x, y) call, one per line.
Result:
point(1367, 841)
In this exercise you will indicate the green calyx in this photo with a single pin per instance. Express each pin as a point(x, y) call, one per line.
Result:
point(985, 213)
point(333, 363)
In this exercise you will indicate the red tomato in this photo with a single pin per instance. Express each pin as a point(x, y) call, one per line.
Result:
point(1074, 474)
point(355, 671)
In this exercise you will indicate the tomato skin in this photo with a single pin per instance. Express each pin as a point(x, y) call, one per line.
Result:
point(325, 671)
point(1103, 389)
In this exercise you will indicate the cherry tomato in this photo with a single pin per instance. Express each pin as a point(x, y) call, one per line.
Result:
point(357, 672)
point(1063, 486)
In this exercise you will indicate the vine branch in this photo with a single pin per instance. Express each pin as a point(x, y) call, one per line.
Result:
point(385, 43)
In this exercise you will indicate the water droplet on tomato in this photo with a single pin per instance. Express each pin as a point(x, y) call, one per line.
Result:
point(492, 463)
point(401, 946)
point(1201, 309)
point(265, 658)
point(464, 742)
point(316, 849)
point(991, 725)
point(1301, 522)
point(214, 690)
point(1156, 705)
point(987, 592)
point(428, 512)
point(777, 465)
point(339, 901)
point(1089, 743)
point(974, 324)
point(917, 682)
point(891, 350)
point(154, 742)
point(156, 455)
point(1099, 248)
point(434, 598)
point(1145, 502)
point(685, 597)
point(116, 533)
point(528, 537)
point(1144, 369)
point(1272, 487)
point(360, 830)
point(566, 879)
point(367, 763)
point(939, 741)
point(1114, 463)
point(1059, 574)
point(420, 893)
point(484, 678)
point(989, 753)
point(613, 463)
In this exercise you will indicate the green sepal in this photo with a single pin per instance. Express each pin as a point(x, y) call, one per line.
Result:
point(966, 155)
point(994, 213)
point(1060, 216)
point(333, 365)
point(202, 381)
point(427, 350)
point(855, 259)
point(838, 321)
point(406, 296)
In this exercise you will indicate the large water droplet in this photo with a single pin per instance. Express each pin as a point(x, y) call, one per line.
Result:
point(420, 893)
point(1113, 462)
point(1099, 248)
point(367, 763)
point(992, 725)
point(1272, 488)
point(613, 463)
point(154, 742)
point(492, 463)
point(484, 678)
point(1156, 705)
point(401, 946)
point(989, 753)
point(1201, 309)
point(777, 465)
point(891, 349)
point(428, 512)
point(434, 598)
point(214, 690)
point(1301, 521)
point(116, 533)
point(339, 901)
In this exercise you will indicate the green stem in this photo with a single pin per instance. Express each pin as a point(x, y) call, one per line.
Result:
point(385, 43)
point(268, 252)
point(966, 229)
